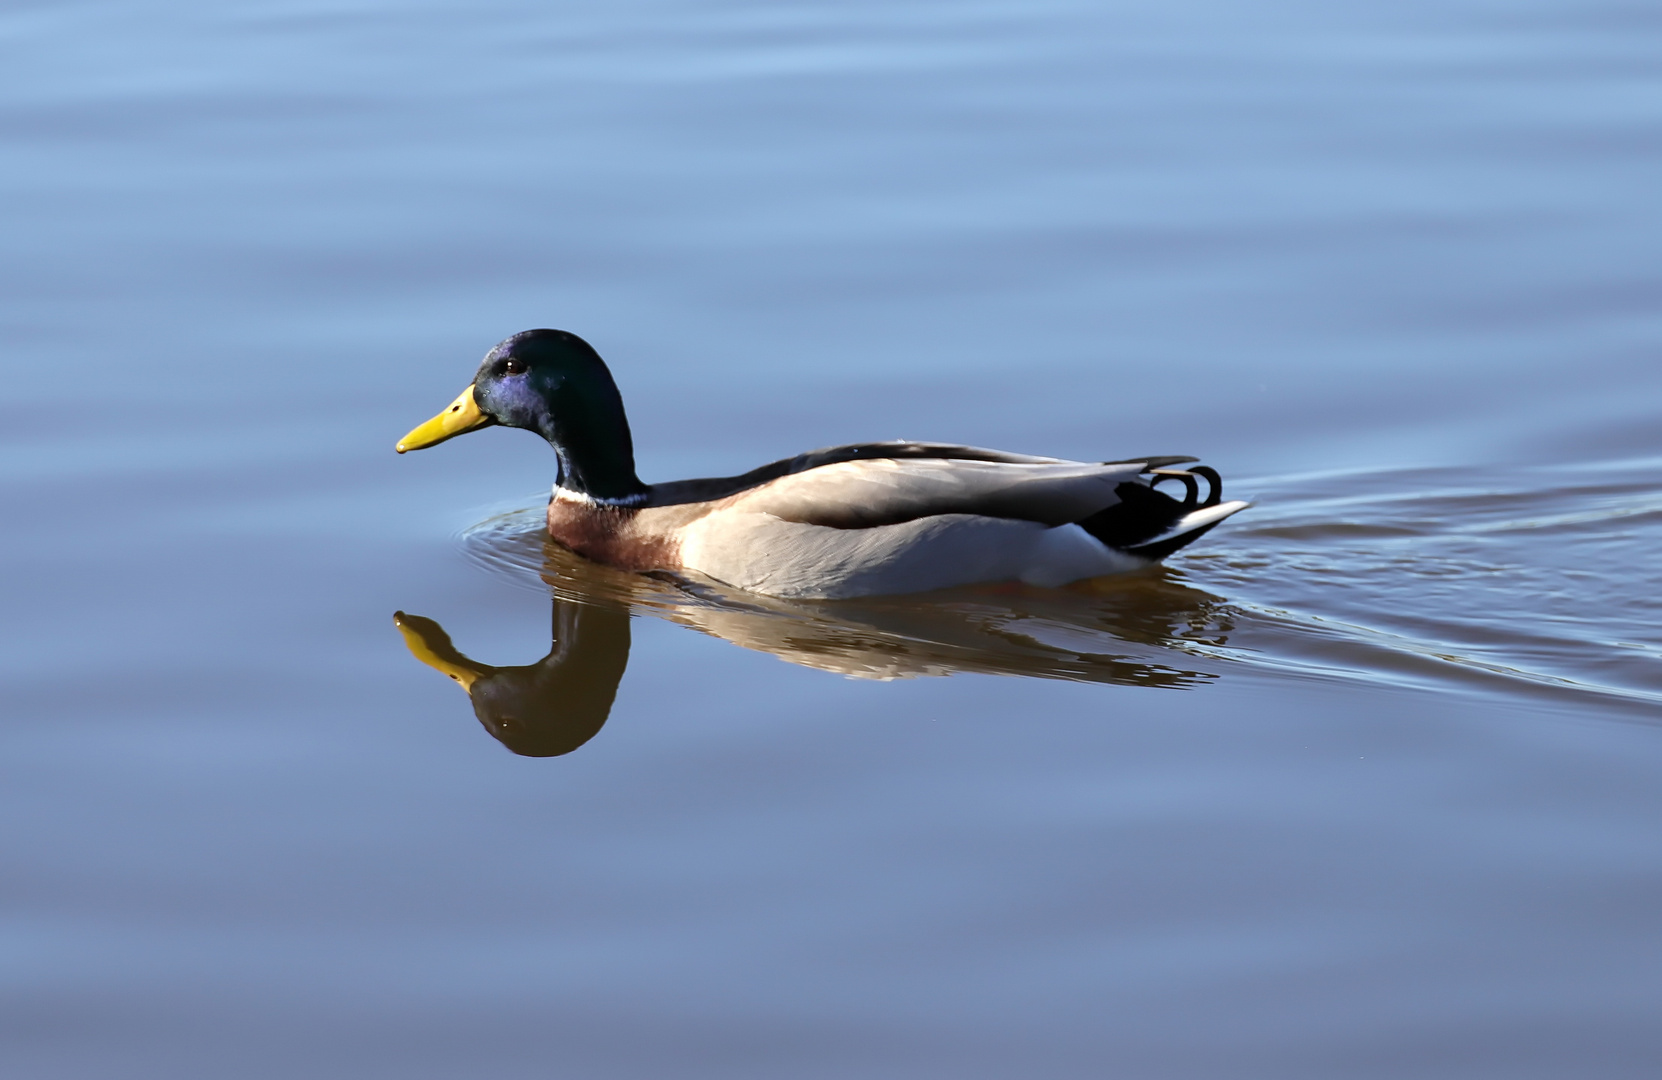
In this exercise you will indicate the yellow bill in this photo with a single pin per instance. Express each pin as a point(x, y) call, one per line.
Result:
point(428, 643)
point(462, 416)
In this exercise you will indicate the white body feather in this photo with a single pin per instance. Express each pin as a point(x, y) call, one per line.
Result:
point(762, 553)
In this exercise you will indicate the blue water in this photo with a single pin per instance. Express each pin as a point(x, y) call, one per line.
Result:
point(1362, 785)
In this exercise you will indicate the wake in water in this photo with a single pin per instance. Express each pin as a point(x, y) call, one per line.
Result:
point(1540, 580)
point(1536, 582)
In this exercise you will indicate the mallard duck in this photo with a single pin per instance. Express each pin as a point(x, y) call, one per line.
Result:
point(868, 519)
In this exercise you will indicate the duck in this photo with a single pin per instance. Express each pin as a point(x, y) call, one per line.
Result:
point(865, 519)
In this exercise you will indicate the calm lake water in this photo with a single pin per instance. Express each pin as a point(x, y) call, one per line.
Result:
point(1365, 784)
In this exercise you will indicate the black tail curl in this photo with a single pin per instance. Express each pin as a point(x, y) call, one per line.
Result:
point(1138, 521)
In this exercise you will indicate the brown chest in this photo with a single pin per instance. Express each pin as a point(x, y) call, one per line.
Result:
point(611, 535)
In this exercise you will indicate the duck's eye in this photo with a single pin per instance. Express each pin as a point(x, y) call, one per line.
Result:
point(513, 366)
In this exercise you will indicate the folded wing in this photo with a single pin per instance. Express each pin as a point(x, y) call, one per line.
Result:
point(680, 492)
point(863, 494)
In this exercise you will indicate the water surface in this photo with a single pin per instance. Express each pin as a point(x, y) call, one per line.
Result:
point(1364, 784)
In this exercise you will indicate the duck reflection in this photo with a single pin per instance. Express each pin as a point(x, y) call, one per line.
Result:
point(547, 708)
point(1150, 630)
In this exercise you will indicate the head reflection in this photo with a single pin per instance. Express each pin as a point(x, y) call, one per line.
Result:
point(544, 709)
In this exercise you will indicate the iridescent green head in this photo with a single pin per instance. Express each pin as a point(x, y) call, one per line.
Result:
point(554, 383)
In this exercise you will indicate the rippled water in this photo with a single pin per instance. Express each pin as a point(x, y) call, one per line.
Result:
point(1521, 581)
point(1363, 784)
